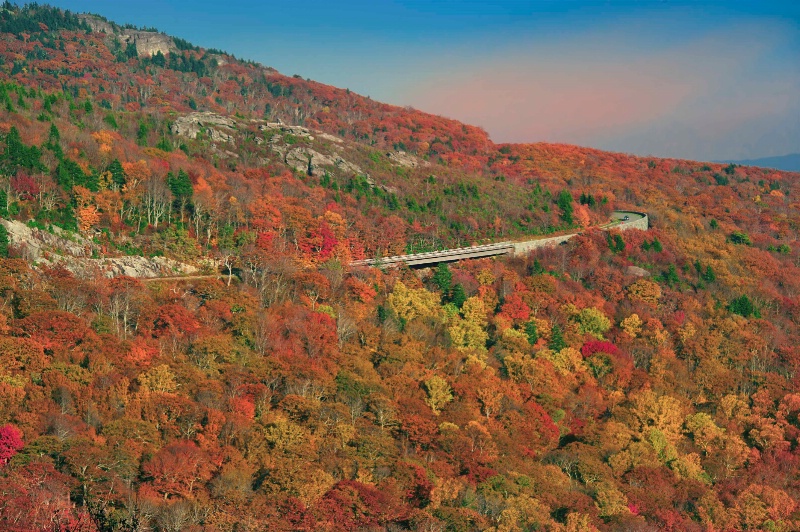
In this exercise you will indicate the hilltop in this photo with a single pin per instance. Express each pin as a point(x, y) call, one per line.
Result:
point(790, 162)
point(637, 380)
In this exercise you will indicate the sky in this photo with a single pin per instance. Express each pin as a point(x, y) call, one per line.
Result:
point(702, 79)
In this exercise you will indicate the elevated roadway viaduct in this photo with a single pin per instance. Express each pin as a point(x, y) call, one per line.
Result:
point(620, 220)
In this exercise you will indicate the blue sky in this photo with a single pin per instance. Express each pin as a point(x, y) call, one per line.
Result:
point(695, 79)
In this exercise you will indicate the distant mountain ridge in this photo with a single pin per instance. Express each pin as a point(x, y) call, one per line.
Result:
point(789, 163)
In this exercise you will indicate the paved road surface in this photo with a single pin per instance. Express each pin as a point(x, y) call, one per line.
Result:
point(618, 221)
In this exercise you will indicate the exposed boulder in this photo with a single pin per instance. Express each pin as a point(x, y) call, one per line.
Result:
point(402, 158)
point(308, 161)
point(219, 127)
point(351, 168)
point(637, 271)
point(74, 252)
point(329, 137)
point(312, 162)
point(297, 131)
point(96, 24)
point(302, 158)
point(148, 43)
point(220, 59)
point(35, 243)
point(134, 266)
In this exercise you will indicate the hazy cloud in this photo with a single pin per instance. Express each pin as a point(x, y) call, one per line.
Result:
point(727, 93)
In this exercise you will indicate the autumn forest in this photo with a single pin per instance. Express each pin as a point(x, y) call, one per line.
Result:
point(636, 380)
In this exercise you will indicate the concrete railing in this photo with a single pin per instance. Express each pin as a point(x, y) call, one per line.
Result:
point(445, 255)
point(636, 220)
point(642, 222)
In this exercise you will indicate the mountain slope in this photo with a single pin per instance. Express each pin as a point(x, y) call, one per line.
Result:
point(644, 380)
point(789, 163)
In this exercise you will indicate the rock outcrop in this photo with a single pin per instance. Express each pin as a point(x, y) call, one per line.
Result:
point(134, 266)
point(218, 127)
point(79, 255)
point(402, 158)
point(297, 131)
point(148, 43)
point(637, 271)
point(97, 25)
point(314, 163)
point(300, 156)
point(36, 244)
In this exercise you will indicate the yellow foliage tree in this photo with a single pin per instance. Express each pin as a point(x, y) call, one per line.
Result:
point(105, 180)
point(470, 333)
point(567, 361)
point(704, 431)
point(409, 303)
point(288, 438)
point(485, 277)
point(577, 522)
point(592, 321)
point(610, 501)
point(646, 291)
point(439, 393)
point(663, 412)
point(525, 513)
point(158, 379)
point(632, 325)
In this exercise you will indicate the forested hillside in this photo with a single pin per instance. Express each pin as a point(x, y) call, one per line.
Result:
point(643, 380)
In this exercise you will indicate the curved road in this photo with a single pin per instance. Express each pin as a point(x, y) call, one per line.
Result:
point(635, 220)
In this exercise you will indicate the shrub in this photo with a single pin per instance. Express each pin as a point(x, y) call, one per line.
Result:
point(740, 237)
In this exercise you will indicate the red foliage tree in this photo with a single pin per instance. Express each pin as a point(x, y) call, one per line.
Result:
point(10, 442)
point(351, 505)
point(177, 468)
point(598, 346)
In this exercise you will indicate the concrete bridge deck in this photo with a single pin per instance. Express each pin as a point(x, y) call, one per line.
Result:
point(636, 220)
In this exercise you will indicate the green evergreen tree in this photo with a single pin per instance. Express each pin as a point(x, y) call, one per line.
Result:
point(656, 246)
point(130, 51)
point(458, 296)
point(17, 155)
point(443, 278)
point(740, 237)
point(141, 134)
point(4, 241)
point(531, 332)
point(557, 342)
point(159, 59)
point(617, 245)
point(182, 190)
point(54, 137)
point(671, 276)
point(564, 203)
point(117, 174)
point(743, 307)
point(164, 145)
point(69, 174)
point(180, 184)
point(709, 276)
